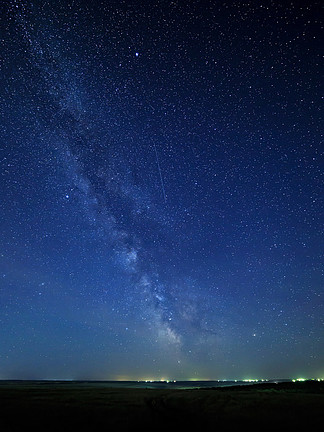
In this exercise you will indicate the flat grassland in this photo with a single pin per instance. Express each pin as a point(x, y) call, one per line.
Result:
point(61, 406)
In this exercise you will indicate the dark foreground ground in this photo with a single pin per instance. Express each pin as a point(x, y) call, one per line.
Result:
point(46, 406)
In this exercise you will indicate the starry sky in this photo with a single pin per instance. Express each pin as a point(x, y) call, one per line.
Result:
point(161, 186)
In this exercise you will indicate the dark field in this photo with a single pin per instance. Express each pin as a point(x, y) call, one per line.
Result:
point(70, 406)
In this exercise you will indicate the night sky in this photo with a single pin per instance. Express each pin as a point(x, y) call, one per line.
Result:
point(161, 187)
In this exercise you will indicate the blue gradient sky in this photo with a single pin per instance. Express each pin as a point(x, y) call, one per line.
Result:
point(161, 190)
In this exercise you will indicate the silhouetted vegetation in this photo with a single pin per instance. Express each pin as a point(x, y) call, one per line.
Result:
point(71, 406)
